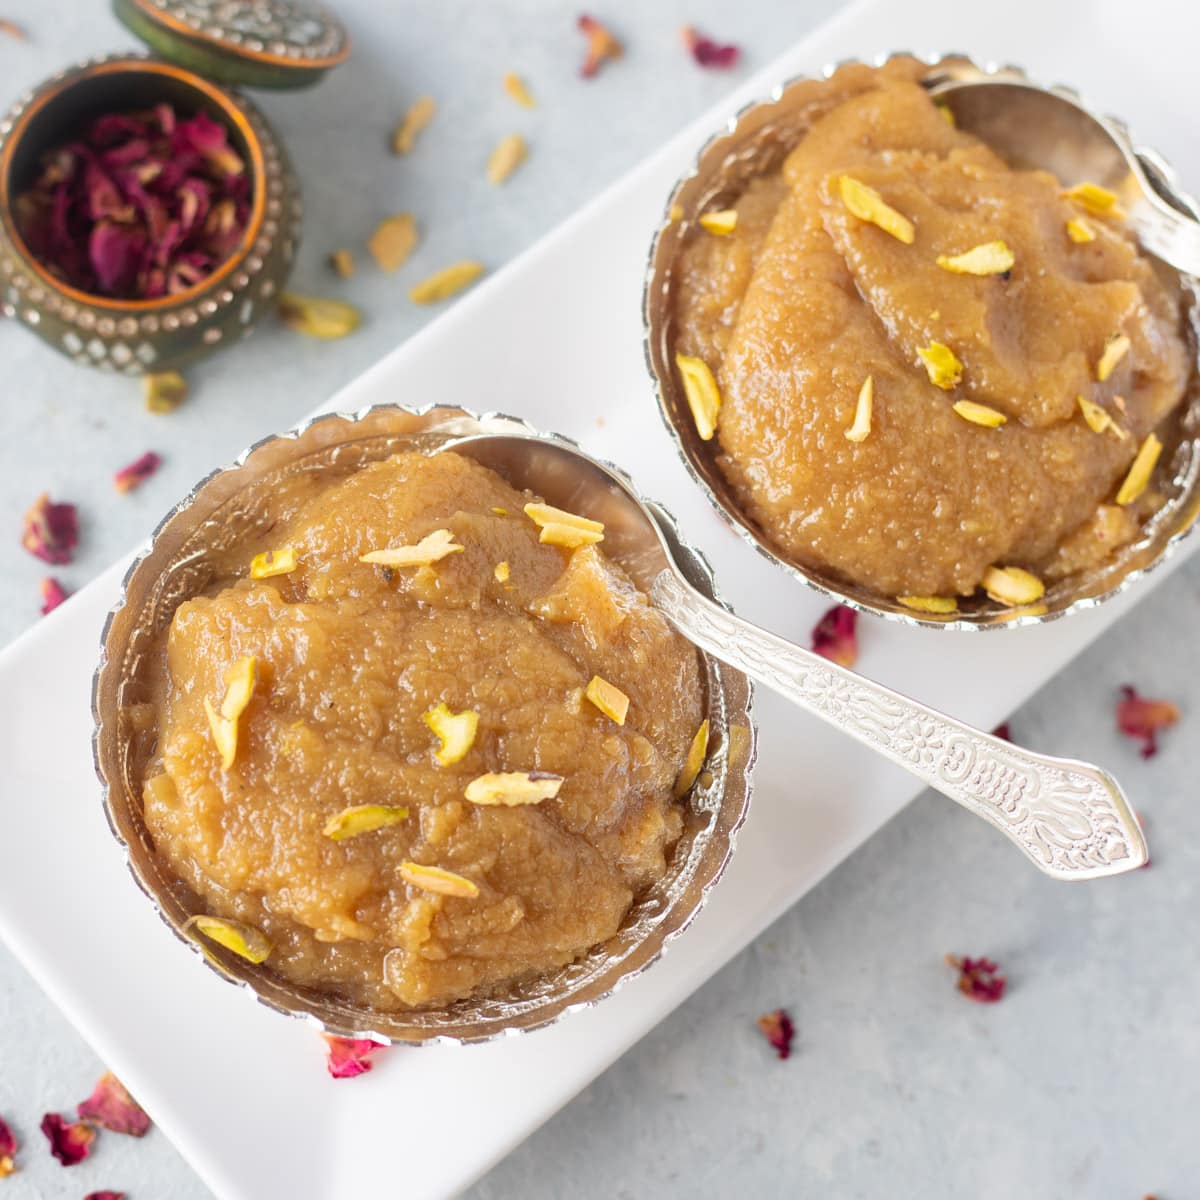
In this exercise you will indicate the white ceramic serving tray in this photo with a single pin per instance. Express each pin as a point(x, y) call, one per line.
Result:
point(556, 337)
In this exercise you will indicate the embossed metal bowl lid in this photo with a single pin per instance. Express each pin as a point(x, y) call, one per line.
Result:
point(252, 43)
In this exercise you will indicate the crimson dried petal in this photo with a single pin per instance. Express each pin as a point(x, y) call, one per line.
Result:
point(53, 594)
point(834, 636)
point(111, 1106)
point(51, 531)
point(979, 979)
point(1003, 731)
point(70, 1142)
point(779, 1031)
point(104, 198)
point(708, 53)
point(113, 251)
point(1142, 719)
point(8, 1149)
point(349, 1057)
point(109, 129)
point(105, 1196)
point(209, 139)
point(138, 471)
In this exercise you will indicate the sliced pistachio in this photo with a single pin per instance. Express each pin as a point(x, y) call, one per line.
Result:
point(739, 744)
point(722, 223)
point(224, 734)
point(696, 754)
point(561, 528)
point(433, 547)
point(1140, 471)
point(318, 316)
point(456, 731)
point(417, 117)
point(1116, 346)
point(990, 258)
point(165, 391)
point(435, 879)
point(244, 940)
point(393, 241)
point(1079, 231)
point(608, 698)
point(862, 411)
point(501, 572)
point(1012, 585)
point(703, 396)
point(1096, 199)
point(510, 152)
point(341, 262)
point(929, 604)
point(979, 414)
point(1098, 418)
point(273, 562)
point(513, 788)
point(675, 214)
point(500, 512)
point(446, 283)
point(363, 818)
point(514, 85)
point(941, 365)
point(867, 204)
point(239, 687)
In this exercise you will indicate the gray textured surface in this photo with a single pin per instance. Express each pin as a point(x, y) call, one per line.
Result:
point(1082, 1083)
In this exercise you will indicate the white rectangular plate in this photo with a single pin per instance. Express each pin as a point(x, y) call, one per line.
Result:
point(556, 338)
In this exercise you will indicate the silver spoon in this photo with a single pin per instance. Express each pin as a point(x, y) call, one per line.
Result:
point(1071, 819)
point(1047, 128)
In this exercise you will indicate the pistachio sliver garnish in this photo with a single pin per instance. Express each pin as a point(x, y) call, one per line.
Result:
point(433, 547)
point(501, 571)
point(341, 262)
point(273, 562)
point(1012, 585)
point(318, 316)
point(929, 604)
point(990, 258)
point(608, 698)
point(363, 818)
point(703, 396)
point(165, 391)
point(722, 222)
point(446, 283)
point(224, 734)
point(1079, 231)
point(862, 412)
point(867, 204)
point(1116, 346)
point(243, 940)
point(561, 528)
point(436, 879)
point(1098, 418)
point(417, 117)
point(941, 365)
point(515, 86)
point(979, 414)
point(696, 754)
point(455, 731)
point(239, 687)
point(1096, 199)
point(1140, 471)
point(510, 152)
point(393, 241)
point(513, 788)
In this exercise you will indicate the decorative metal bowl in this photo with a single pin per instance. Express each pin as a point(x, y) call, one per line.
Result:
point(754, 141)
point(136, 336)
point(220, 512)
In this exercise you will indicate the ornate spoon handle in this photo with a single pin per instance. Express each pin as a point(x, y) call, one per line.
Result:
point(1071, 819)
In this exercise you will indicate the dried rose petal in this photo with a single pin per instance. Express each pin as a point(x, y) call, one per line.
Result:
point(1140, 718)
point(51, 530)
point(105, 1196)
point(111, 1106)
point(779, 1031)
point(138, 471)
point(708, 53)
point(69, 1142)
point(601, 45)
point(1003, 732)
point(349, 1057)
point(53, 594)
point(8, 1149)
point(979, 979)
point(834, 637)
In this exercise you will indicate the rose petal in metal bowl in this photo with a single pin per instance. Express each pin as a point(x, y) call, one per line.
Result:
point(755, 141)
point(220, 512)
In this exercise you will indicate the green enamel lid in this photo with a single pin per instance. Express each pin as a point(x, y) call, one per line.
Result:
point(251, 43)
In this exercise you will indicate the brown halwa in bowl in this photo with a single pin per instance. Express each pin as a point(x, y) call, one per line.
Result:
point(405, 751)
point(926, 382)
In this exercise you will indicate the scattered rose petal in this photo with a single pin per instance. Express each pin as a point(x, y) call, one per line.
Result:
point(778, 1029)
point(979, 979)
point(1142, 719)
point(349, 1057)
point(834, 637)
point(1003, 732)
point(138, 471)
point(601, 45)
point(105, 1196)
point(708, 53)
point(8, 1149)
point(111, 1106)
point(53, 594)
point(69, 1142)
point(51, 530)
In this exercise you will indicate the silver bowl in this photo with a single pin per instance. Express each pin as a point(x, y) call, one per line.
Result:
point(754, 141)
point(219, 513)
